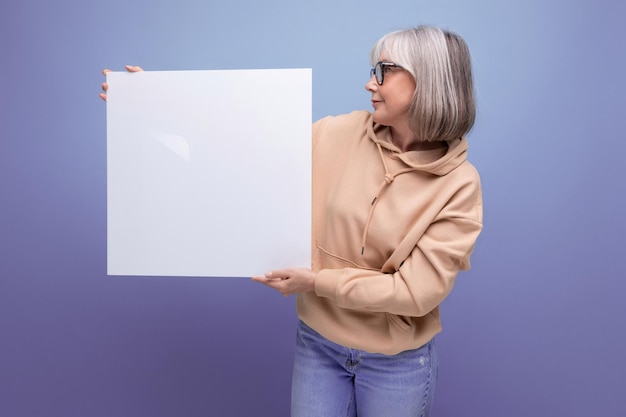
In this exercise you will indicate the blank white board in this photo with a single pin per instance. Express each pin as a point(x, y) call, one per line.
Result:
point(208, 172)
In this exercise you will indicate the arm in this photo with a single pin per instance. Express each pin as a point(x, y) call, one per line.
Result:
point(425, 277)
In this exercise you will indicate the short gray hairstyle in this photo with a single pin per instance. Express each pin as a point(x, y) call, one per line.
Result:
point(444, 107)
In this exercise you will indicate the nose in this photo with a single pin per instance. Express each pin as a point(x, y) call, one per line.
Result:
point(371, 85)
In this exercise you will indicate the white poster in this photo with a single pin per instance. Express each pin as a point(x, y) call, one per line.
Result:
point(209, 172)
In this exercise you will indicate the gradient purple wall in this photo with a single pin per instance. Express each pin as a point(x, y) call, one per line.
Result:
point(535, 329)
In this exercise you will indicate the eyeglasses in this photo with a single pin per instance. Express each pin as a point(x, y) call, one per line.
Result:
point(380, 69)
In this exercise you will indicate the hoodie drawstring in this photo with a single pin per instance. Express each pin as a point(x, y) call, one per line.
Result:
point(387, 180)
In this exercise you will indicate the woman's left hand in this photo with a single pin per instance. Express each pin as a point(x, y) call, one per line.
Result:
point(289, 281)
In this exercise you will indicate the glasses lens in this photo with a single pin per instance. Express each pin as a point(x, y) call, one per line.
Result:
point(379, 72)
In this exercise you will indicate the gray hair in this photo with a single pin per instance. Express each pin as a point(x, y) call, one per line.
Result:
point(439, 61)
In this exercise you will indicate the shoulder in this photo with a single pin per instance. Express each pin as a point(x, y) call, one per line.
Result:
point(344, 128)
point(465, 191)
point(355, 119)
point(463, 180)
point(468, 171)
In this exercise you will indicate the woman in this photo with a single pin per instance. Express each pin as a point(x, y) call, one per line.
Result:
point(396, 211)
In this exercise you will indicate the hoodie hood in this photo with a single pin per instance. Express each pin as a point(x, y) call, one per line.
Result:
point(455, 155)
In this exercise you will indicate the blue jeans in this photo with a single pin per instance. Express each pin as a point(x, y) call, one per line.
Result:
point(330, 380)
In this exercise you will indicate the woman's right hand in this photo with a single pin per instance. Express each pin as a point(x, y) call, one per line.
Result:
point(105, 86)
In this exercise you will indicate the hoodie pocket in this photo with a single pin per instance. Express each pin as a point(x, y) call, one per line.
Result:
point(403, 323)
point(323, 259)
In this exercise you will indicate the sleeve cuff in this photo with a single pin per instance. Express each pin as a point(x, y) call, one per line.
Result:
point(326, 282)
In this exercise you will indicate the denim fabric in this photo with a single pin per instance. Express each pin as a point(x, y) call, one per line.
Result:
point(330, 380)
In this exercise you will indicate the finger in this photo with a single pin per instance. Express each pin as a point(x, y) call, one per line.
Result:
point(279, 274)
point(133, 68)
point(259, 279)
point(273, 284)
point(276, 283)
point(103, 96)
point(105, 86)
point(105, 71)
point(266, 281)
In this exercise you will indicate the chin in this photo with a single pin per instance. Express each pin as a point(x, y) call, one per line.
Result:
point(377, 118)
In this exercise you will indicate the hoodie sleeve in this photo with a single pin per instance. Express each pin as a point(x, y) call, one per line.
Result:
point(426, 276)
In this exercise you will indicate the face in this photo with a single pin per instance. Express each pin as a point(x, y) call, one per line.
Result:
point(392, 99)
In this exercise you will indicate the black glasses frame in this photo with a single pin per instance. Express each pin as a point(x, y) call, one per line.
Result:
point(380, 69)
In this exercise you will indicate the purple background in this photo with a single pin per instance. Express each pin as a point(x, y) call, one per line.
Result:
point(536, 328)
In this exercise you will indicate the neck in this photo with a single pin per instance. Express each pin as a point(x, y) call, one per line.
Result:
point(405, 140)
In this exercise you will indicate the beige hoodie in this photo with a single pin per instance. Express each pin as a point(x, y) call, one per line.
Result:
point(391, 230)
